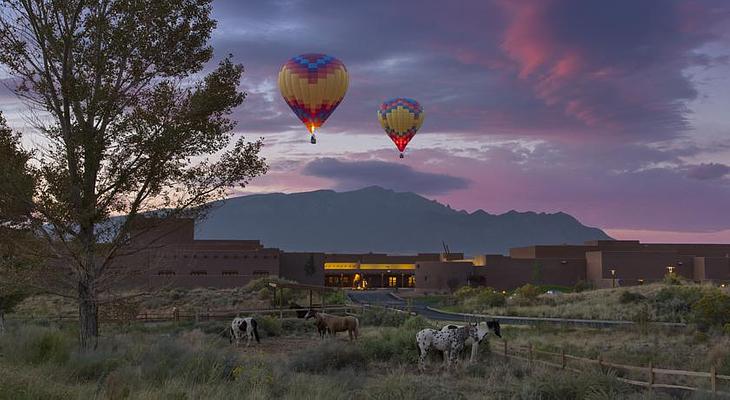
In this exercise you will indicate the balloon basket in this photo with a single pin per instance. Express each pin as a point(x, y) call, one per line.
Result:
point(313, 140)
point(401, 155)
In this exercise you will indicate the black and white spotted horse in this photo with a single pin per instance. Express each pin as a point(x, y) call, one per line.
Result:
point(244, 327)
point(450, 342)
point(483, 329)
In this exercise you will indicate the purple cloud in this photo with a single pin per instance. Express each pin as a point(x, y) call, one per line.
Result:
point(708, 171)
point(399, 177)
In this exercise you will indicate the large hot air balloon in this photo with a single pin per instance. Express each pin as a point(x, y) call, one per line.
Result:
point(401, 118)
point(313, 85)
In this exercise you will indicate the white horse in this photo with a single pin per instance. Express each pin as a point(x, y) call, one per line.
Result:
point(483, 329)
point(244, 327)
point(450, 342)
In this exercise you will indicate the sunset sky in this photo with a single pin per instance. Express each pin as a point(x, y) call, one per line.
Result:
point(616, 112)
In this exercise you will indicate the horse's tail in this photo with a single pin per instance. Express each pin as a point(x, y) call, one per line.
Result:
point(357, 327)
point(255, 327)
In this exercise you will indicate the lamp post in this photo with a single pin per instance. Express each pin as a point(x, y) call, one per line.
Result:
point(670, 269)
point(613, 278)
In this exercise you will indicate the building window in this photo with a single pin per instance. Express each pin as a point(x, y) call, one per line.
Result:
point(166, 272)
point(260, 273)
point(411, 281)
point(198, 272)
point(225, 257)
point(230, 272)
point(392, 281)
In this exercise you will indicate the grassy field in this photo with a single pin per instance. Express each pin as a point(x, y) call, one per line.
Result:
point(195, 361)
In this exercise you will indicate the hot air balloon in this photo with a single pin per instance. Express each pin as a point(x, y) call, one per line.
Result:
point(313, 85)
point(401, 118)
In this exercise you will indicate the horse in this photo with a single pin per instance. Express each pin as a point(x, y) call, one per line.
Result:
point(483, 329)
point(334, 323)
point(450, 342)
point(241, 327)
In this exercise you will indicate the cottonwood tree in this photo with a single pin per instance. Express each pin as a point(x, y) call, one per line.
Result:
point(128, 121)
point(16, 193)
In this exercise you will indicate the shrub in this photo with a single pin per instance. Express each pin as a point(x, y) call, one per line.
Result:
point(527, 293)
point(328, 356)
point(37, 345)
point(565, 386)
point(671, 278)
point(269, 326)
point(631, 297)
point(582, 286)
point(713, 309)
point(674, 303)
point(380, 317)
point(391, 345)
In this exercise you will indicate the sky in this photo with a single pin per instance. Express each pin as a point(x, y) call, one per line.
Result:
point(615, 112)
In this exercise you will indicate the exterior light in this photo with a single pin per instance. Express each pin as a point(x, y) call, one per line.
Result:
point(670, 269)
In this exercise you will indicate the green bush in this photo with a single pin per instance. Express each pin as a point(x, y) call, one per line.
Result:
point(37, 345)
point(671, 278)
point(582, 286)
point(380, 317)
point(674, 303)
point(712, 310)
point(269, 326)
point(527, 293)
point(628, 297)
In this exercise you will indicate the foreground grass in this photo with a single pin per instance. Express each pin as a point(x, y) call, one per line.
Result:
point(173, 361)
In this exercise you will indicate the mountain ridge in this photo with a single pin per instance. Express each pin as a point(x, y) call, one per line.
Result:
point(382, 220)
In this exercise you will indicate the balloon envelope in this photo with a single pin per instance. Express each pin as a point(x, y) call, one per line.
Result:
point(401, 118)
point(313, 85)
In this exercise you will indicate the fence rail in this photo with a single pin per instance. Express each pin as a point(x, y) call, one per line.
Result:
point(530, 355)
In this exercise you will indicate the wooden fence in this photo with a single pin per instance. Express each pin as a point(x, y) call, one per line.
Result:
point(631, 373)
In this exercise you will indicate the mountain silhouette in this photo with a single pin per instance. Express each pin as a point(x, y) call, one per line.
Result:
point(374, 219)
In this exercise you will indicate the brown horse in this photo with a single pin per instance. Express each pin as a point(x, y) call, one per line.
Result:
point(334, 323)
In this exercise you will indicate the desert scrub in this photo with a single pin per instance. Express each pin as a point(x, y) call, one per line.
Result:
point(380, 317)
point(37, 345)
point(328, 356)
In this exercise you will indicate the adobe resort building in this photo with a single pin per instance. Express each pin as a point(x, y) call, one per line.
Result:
point(170, 255)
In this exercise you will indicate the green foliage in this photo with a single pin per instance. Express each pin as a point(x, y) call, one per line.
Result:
point(269, 326)
point(582, 286)
point(671, 278)
point(35, 345)
point(380, 317)
point(713, 309)
point(527, 293)
point(674, 303)
point(478, 297)
point(335, 297)
point(629, 297)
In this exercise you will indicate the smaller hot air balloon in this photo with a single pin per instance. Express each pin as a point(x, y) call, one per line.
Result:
point(401, 118)
point(313, 85)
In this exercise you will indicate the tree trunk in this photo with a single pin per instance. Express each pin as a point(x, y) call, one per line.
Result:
point(88, 317)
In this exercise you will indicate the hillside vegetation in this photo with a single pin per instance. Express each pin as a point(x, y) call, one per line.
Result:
point(705, 305)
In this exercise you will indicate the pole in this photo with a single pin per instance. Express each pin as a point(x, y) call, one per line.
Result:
point(651, 376)
point(562, 358)
point(529, 355)
point(713, 379)
point(505, 347)
point(310, 298)
point(281, 304)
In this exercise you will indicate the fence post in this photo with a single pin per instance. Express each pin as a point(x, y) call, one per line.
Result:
point(562, 358)
point(600, 361)
point(505, 347)
point(651, 376)
point(713, 379)
point(529, 355)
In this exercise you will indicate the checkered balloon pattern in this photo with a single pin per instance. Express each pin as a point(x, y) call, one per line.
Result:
point(401, 118)
point(313, 85)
